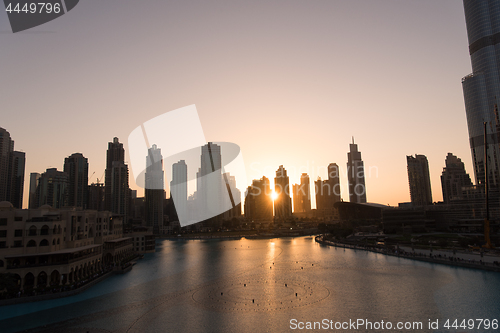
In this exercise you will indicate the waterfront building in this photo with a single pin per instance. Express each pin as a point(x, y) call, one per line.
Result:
point(77, 168)
point(419, 180)
point(283, 202)
point(356, 175)
point(47, 247)
point(482, 87)
point(454, 178)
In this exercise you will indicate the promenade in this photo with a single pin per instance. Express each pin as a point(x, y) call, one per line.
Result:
point(489, 262)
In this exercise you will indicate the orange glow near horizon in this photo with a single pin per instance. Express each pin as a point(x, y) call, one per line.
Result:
point(274, 195)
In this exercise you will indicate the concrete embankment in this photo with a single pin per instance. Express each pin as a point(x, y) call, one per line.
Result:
point(487, 266)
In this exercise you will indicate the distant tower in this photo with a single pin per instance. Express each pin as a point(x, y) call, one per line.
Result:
point(356, 175)
point(12, 168)
point(258, 201)
point(302, 195)
point(454, 178)
point(77, 168)
point(179, 187)
point(115, 153)
point(482, 87)
point(34, 177)
point(210, 181)
point(334, 183)
point(419, 180)
point(283, 202)
point(52, 189)
point(154, 192)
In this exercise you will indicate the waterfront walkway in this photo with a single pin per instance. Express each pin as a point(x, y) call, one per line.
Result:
point(474, 260)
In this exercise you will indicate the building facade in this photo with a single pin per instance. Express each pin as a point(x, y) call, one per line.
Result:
point(302, 195)
point(283, 202)
point(482, 87)
point(77, 168)
point(47, 247)
point(115, 153)
point(356, 175)
point(454, 179)
point(12, 168)
point(52, 189)
point(258, 201)
point(419, 180)
point(154, 192)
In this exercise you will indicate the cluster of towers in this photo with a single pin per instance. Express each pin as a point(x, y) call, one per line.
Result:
point(259, 199)
point(12, 166)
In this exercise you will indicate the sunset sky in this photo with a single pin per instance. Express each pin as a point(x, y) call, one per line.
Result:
point(289, 81)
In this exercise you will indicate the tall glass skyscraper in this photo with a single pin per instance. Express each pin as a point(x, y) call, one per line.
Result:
point(482, 87)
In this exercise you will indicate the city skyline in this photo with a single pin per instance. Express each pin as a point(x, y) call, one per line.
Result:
point(276, 89)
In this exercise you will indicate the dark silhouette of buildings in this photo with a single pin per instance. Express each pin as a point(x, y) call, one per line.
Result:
point(12, 167)
point(481, 88)
point(302, 195)
point(77, 168)
point(117, 193)
point(154, 192)
point(454, 178)
point(96, 193)
point(179, 187)
point(34, 177)
point(419, 180)
point(258, 201)
point(283, 202)
point(328, 192)
point(52, 189)
point(115, 153)
point(356, 175)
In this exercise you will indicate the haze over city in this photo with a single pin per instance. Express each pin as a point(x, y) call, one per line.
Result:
point(289, 81)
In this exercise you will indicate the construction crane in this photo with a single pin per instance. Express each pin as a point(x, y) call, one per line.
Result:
point(93, 173)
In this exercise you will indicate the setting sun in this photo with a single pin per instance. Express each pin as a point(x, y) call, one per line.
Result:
point(274, 195)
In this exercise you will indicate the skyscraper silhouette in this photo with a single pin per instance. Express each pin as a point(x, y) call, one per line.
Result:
point(454, 178)
point(258, 201)
point(356, 175)
point(154, 192)
point(419, 180)
point(302, 195)
point(12, 167)
point(77, 168)
point(115, 153)
point(283, 202)
point(482, 87)
point(179, 187)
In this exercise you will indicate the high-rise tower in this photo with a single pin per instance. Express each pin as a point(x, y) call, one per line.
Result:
point(154, 192)
point(356, 175)
point(12, 167)
point(115, 153)
point(454, 178)
point(77, 168)
point(283, 202)
point(179, 187)
point(482, 87)
point(419, 180)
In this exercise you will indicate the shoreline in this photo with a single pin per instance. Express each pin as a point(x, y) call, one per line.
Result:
point(463, 264)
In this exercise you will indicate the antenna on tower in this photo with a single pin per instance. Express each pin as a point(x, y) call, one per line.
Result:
point(353, 140)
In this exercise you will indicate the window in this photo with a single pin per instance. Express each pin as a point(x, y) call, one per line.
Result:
point(18, 218)
point(31, 243)
point(18, 233)
point(3, 245)
point(18, 243)
point(3, 221)
point(3, 233)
